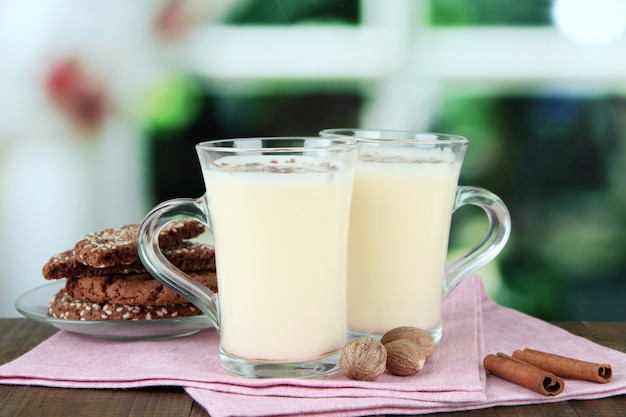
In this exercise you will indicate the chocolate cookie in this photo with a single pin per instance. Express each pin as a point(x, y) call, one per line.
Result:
point(188, 256)
point(65, 265)
point(118, 245)
point(135, 289)
point(64, 306)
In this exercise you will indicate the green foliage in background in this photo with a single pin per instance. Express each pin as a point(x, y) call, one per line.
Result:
point(558, 163)
point(490, 12)
point(286, 12)
point(171, 103)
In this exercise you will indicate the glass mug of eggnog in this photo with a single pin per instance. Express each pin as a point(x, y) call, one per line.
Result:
point(405, 192)
point(278, 210)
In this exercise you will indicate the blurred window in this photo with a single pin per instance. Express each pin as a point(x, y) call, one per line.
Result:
point(538, 91)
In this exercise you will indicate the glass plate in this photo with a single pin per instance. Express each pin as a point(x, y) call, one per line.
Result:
point(34, 305)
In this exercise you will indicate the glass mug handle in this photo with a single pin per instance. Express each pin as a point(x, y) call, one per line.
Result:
point(498, 232)
point(162, 269)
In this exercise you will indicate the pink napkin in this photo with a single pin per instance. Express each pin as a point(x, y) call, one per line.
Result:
point(452, 374)
point(503, 330)
point(453, 378)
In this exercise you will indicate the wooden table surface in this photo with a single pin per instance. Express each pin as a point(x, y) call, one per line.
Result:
point(17, 336)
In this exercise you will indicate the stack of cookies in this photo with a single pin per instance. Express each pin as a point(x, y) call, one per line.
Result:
point(105, 280)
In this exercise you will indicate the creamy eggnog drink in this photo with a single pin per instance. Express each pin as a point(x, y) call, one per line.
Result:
point(281, 265)
point(278, 210)
point(405, 192)
point(396, 262)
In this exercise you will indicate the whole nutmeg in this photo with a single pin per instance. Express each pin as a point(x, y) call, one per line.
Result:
point(363, 359)
point(404, 357)
point(420, 337)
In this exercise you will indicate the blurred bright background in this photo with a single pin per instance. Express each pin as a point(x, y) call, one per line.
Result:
point(102, 101)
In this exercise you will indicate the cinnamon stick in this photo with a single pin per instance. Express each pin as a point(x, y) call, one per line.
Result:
point(524, 374)
point(566, 367)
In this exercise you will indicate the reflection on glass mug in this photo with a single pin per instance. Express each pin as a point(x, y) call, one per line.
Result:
point(279, 212)
point(405, 192)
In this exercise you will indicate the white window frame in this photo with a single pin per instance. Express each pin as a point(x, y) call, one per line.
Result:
point(404, 66)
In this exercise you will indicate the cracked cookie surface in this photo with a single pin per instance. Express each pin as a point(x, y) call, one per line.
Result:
point(118, 245)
